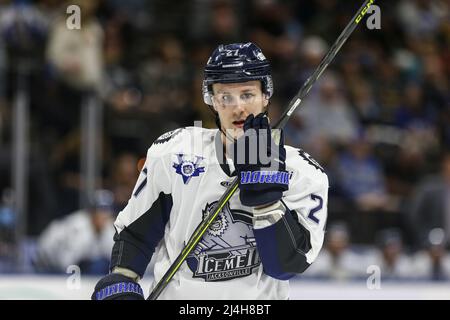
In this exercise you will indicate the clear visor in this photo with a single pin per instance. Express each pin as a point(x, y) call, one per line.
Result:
point(232, 100)
point(267, 87)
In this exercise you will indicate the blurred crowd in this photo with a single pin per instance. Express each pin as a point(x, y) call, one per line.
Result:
point(378, 120)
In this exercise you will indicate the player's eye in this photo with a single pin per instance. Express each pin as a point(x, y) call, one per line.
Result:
point(226, 99)
point(247, 97)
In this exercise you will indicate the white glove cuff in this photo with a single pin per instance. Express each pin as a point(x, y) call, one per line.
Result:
point(127, 273)
point(269, 215)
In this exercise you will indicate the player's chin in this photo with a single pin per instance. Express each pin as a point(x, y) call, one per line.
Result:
point(234, 132)
point(238, 132)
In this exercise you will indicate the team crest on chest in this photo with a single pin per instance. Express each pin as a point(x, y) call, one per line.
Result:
point(227, 249)
point(188, 168)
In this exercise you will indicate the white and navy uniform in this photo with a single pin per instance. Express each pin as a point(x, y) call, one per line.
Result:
point(183, 177)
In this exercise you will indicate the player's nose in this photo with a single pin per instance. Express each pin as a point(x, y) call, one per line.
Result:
point(239, 109)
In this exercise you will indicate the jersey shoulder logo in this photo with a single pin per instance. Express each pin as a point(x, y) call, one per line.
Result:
point(227, 249)
point(188, 168)
point(167, 136)
point(310, 160)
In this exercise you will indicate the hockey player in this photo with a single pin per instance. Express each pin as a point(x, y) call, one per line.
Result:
point(271, 229)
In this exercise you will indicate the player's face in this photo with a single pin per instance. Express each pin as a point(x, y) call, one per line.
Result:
point(235, 101)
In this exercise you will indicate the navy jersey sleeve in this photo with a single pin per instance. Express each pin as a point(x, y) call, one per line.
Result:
point(290, 245)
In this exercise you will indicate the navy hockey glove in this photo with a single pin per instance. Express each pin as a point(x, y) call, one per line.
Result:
point(260, 163)
point(116, 286)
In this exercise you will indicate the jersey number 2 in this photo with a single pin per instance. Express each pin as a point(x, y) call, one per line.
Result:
point(311, 215)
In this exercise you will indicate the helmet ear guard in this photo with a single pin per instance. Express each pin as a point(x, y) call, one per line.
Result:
point(237, 62)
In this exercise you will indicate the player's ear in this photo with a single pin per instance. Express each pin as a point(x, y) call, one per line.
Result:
point(265, 101)
point(214, 105)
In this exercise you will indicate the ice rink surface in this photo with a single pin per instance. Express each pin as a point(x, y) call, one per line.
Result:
point(33, 287)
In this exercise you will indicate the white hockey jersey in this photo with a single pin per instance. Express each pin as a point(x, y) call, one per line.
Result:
point(183, 177)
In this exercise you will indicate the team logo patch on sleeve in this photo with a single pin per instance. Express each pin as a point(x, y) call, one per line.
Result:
point(188, 168)
point(167, 136)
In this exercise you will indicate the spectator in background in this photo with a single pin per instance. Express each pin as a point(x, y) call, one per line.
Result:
point(125, 123)
point(337, 261)
point(119, 88)
point(364, 101)
point(83, 238)
point(435, 60)
point(361, 180)
point(165, 80)
point(391, 258)
point(276, 29)
point(414, 115)
point(364, 182)
point(416, 118)
point(330, 116)
point(224, 24)
point(433, 262)
point(387, 87)
point(77, 54)
point(311, 51)
point(23, 27)
point(421, 18)
point(429, 205)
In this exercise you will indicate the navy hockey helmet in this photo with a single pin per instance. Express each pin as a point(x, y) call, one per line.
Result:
point(237, 62)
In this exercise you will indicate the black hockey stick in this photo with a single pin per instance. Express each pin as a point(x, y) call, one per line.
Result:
point(293, 104)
